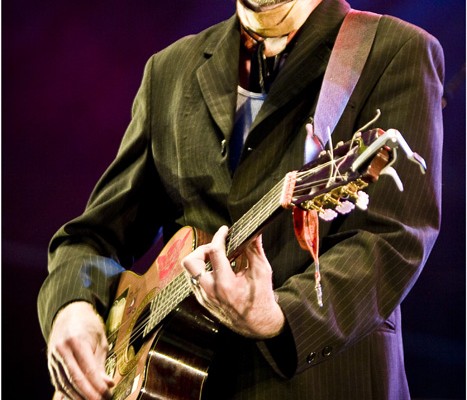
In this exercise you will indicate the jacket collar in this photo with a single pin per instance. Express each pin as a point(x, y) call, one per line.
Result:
point(218, 76)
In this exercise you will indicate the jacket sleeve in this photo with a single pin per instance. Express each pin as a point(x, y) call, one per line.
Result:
point(118, 225)
point(370, 259)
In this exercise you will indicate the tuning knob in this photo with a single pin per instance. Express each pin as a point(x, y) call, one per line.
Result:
point(362, 200)
point(327, 214)
point(345, 207)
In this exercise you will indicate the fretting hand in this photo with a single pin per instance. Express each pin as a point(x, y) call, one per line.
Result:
point(244, 301)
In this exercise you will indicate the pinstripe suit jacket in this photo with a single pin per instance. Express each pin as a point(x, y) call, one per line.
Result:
point(170, 169)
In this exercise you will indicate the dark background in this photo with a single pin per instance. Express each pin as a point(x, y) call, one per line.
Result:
point(70, 71)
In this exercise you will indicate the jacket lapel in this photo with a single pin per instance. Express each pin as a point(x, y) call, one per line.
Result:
point(218, 76)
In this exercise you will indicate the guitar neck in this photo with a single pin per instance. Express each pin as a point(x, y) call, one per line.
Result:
point(240, 233)
point(252, 222)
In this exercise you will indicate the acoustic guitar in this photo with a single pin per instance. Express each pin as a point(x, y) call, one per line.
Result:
point(161, 340)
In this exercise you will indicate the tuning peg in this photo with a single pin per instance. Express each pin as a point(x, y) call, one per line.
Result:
point(345, 207)
point(327, 214)
point(362, 200)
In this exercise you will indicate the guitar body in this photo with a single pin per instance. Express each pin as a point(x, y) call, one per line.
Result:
point(170, 359)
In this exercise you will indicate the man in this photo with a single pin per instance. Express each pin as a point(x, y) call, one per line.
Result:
point(219, 118)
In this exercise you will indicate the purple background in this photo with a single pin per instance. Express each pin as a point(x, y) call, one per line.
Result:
point(70, 72)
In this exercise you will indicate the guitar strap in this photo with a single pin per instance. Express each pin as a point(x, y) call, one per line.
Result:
point(348, 57)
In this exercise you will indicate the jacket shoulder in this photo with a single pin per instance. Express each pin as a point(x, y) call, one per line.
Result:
point(400, 31)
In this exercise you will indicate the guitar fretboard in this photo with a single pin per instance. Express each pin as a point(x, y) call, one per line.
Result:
point(241, 231)
point(166, 301)
point(248, 225)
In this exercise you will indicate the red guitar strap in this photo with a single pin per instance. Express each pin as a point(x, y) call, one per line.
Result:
point(306, 225)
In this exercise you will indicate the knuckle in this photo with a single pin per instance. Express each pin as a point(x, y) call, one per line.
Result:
point(59, 348)
point(186, 261)
point(213, 249)
point(75, 380)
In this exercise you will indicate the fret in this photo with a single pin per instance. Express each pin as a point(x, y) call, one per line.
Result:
point(249, 223)
point(166, 301)
point(179, 288)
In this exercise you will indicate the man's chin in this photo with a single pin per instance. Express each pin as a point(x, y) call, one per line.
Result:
point(262, 5)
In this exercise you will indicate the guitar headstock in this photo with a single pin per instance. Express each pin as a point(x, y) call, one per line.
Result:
point(334, 182)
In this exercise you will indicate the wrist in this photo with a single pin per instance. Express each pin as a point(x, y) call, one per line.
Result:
point(277, 321)
point(271, 324)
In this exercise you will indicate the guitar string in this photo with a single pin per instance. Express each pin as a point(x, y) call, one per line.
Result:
point(273, 205)
point(140, 329)
point(143, 325)
point(335, 170)
point(155, 318)
point(245, 231)
point(234, 236)
point(250, 221)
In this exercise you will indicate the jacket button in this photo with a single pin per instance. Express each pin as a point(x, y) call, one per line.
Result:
point(327, 351)
point(311, 357)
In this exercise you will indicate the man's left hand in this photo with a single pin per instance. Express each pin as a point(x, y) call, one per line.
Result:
point(244, 300)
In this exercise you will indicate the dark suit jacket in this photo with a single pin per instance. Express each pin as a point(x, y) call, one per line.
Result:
point(171, 169)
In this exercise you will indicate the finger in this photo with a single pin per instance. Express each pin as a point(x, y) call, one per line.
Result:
point(195, 262)
point(64, 382)
point(220, 263)
point(203, 288)
point(59, 396)
point(93, 377)
point(256, 246)
point(210, 303)
point(101, 353)
point(196, 273)
point(56, 381)
point(197, 292)
point(52, 371)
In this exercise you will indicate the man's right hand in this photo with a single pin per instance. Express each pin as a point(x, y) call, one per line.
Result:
point(77, 351)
